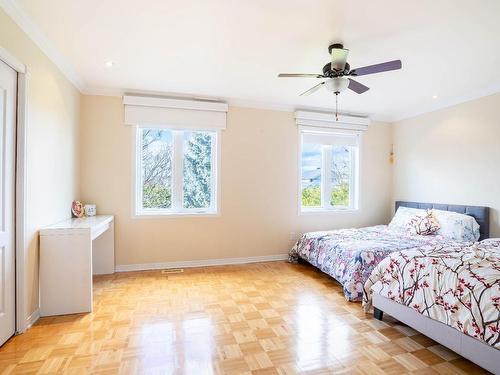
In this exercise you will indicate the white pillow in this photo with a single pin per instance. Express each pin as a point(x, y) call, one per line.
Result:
point(455, 226)
point(401, 220)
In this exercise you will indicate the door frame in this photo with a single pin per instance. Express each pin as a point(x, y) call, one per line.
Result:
point(21, 242)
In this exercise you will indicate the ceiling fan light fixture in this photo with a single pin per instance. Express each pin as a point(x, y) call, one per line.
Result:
point(337, 84)
point(339, 75)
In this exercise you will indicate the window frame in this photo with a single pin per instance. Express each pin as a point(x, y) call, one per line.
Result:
point(354, 183)
point(177, 209)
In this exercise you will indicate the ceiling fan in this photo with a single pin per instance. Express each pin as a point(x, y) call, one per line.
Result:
point(338, 73)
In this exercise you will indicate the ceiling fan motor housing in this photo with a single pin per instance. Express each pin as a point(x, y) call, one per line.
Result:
point(328, 72)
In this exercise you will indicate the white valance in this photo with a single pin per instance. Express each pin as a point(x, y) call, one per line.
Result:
point(327, 120)
point(175, 113)
point(331, 139)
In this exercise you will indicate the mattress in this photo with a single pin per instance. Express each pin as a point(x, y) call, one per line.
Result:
point(350, 255)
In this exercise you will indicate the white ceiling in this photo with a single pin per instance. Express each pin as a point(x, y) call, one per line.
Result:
point(234, 49)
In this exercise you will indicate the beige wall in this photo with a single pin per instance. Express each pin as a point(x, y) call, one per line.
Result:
point(52, 144)
point(259, 188)
point(451, 156)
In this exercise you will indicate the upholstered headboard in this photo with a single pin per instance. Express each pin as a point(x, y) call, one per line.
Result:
point(480, 213)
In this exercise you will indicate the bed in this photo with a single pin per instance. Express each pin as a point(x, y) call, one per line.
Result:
point(350, 255)
point(450, 293)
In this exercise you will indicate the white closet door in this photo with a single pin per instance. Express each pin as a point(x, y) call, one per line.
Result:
point(8, 99)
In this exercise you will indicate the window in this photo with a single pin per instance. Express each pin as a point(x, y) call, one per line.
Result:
point(328, 170)
point(176, 171)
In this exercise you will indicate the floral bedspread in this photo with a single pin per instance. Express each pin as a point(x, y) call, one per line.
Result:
point(350, 255)
point(457, 285)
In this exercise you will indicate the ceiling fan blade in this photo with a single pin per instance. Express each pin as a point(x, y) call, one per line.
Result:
point(339, 58)
point(313, 89)
point(377, 68)
point(357, 87)
point(287, 75)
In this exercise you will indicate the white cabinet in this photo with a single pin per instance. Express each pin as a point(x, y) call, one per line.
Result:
point(70, 253)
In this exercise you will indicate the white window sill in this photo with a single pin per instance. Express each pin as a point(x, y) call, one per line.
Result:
point(323, 211)
point(171, 215)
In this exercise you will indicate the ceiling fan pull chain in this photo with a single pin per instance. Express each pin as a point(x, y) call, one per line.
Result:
point(336, 106)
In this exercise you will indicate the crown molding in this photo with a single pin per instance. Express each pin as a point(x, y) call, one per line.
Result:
point(262, 105)
point(233, 102)
point(98, 91)
point(243, 103)
point(18, 15)
point(11, 61)
point(255, 104)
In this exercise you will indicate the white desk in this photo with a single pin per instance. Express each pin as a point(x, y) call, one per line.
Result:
point(70, 253)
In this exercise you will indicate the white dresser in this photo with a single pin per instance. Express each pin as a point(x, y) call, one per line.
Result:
point(70, 253)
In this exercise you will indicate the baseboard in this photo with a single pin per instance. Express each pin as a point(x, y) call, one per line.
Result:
point(199, 263)
point(32, 318)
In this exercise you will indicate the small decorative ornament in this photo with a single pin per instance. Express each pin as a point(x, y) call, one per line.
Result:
point(391, 155)
point(77, 209)
point(90, 210)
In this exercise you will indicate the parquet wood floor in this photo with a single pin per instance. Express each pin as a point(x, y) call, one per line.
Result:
point(268, 318)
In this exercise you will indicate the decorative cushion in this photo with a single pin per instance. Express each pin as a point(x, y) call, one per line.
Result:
point(401, 220)
point(424, 225)
point(457, 226)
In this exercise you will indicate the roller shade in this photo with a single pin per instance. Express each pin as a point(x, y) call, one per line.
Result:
point(331, 139)
point(174, 113)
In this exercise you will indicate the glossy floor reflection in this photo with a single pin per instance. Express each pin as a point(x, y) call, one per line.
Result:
point(269, 318)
